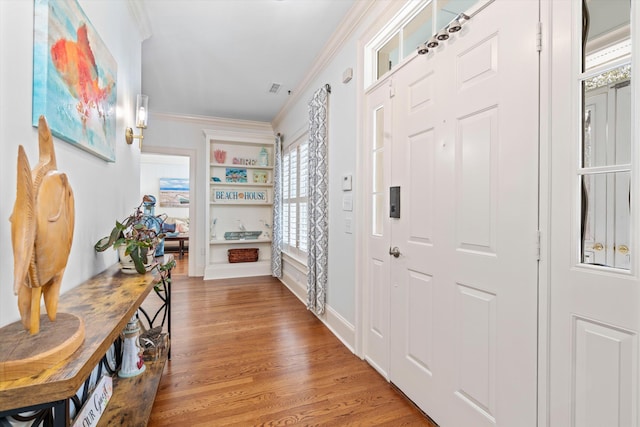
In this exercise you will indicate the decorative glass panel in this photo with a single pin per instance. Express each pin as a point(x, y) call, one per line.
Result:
point(389, 55)
point(606, 28)
point(606, 219)
point(417, 31)
point(606, 162)
point(449, 9)
point(377, 173)
point(378, 214)
point(607, 119)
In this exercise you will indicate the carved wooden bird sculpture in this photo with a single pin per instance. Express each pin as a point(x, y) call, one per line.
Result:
point(41, 231)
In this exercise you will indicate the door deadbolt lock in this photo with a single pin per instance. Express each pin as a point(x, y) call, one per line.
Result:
point(394, 251)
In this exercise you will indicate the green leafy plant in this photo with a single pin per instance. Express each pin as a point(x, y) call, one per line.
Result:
point(138, 239)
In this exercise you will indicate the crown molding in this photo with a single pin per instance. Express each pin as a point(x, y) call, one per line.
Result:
point(346, 28)
point(139, 13)
point(216, 122)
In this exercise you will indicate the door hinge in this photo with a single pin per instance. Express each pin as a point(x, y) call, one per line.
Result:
point(539, 37)
point(538, 245)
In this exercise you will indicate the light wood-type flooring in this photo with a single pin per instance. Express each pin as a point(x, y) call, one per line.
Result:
point(246, 352)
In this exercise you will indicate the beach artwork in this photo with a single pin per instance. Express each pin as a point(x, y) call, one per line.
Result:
point(174, 192)
point(74, 78)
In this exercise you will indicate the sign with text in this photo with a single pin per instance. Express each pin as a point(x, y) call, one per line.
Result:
point(96, 403)
point(231, 195)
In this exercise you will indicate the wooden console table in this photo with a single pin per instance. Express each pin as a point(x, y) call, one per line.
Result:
point(105, 302)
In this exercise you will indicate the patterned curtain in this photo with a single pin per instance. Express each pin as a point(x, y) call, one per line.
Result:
point(318, 202)
point(276, 238)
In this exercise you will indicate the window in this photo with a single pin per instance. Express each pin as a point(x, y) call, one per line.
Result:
point(295, 198)
point(413, 25)
point(606, 162)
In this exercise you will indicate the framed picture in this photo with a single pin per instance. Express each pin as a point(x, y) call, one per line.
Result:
point(236, 175)
point(260, 177)
point(174, 192)
point(74, 78)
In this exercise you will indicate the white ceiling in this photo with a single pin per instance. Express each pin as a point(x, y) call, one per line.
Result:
point(220, 57)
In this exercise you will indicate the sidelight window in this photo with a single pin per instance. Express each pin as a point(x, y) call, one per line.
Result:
point(604, 172)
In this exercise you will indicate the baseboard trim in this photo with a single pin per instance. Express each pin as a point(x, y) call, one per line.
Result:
point(338, 325)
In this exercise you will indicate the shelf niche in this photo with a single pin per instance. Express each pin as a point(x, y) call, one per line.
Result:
point(239, 197)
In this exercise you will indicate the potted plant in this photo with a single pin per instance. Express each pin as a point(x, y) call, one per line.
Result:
point(134, 240)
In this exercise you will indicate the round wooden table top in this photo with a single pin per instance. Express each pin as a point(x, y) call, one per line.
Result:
point(29, 355)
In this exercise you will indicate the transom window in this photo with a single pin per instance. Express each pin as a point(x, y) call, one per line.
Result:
point(414, 24)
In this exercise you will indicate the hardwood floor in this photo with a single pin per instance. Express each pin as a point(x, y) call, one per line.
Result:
point(247, 352)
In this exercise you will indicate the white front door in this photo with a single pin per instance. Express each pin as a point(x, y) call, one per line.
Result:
point(594, 298)
point(463, 292)
point(377, 229)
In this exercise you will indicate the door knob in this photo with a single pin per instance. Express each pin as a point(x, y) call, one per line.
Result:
point(598, 246)
point(394, 251)
point(623, 249)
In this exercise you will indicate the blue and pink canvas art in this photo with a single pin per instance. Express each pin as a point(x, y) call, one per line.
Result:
point(74, 78)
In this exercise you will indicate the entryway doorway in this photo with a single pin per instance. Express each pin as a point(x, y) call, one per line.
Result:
point(168, 176)
point(451, 270)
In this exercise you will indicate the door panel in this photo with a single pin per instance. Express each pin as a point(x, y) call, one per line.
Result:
point(376, 327)
point(604, 356)
point(476, 189)
point(464, 152)
point(594, 302)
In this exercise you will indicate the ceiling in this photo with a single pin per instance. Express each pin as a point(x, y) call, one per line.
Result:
point(220, 58)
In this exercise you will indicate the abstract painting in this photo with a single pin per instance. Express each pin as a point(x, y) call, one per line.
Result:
point(174, 192)
point(74, 78)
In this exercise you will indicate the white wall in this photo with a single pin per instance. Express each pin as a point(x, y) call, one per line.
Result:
point(103, 191)
point(343, 134)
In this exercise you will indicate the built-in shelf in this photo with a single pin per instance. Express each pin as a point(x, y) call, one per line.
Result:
point(238, 203)
point(239, 242)
point(225, 270)
point(224, 165)
point(240, 184)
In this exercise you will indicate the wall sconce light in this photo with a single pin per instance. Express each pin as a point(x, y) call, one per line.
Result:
point(142, 115)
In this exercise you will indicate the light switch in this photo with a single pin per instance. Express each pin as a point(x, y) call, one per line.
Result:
point(347, 202)
point(346, 182)
point(348, 225)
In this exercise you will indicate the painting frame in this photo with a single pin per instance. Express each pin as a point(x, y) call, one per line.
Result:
point(174, 193)
point(74, 78)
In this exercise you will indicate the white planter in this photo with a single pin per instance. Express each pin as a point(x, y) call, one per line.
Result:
point(126, 262)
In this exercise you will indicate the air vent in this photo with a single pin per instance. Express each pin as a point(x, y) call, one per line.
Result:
point(275, 88)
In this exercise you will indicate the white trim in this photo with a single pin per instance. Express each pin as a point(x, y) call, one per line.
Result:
point(297, 263)
point(339, 38)
point(388, 31)
point(338, 325)
point(139, 13)
point(260, 137)
point(196, 263)
point(544, 210)
point(215, 122)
